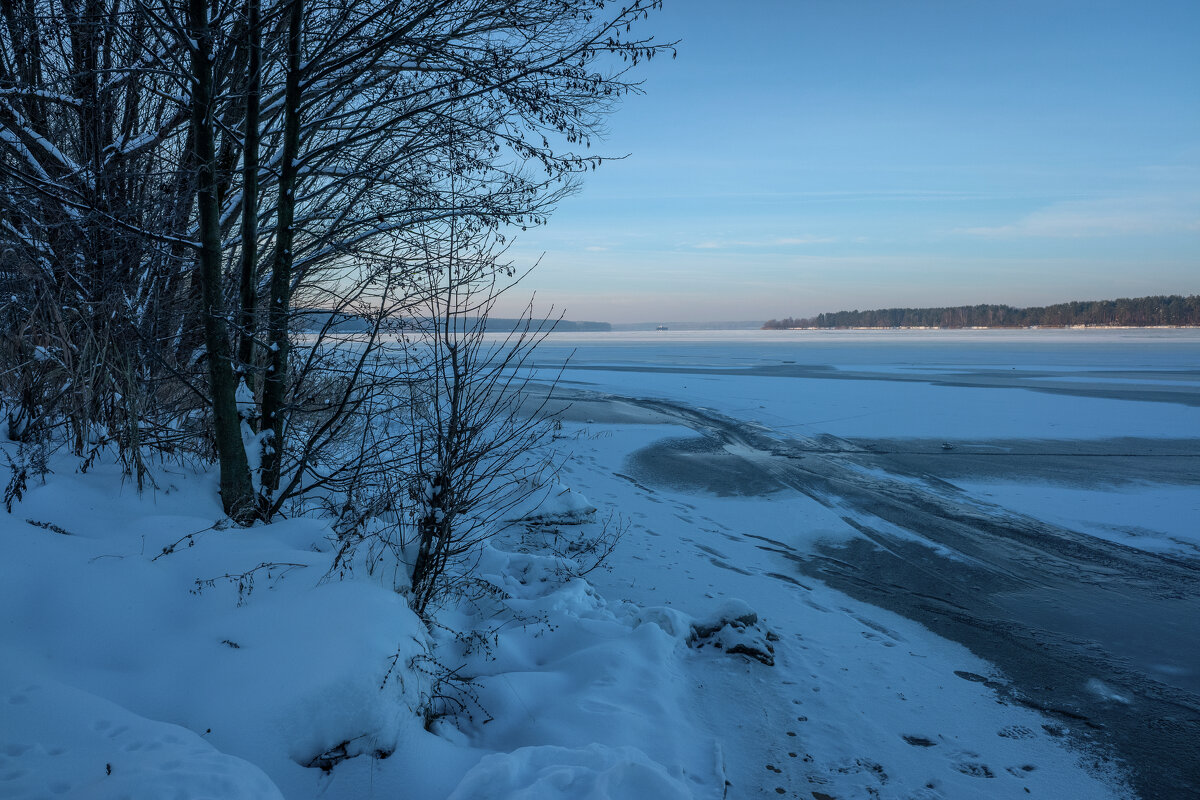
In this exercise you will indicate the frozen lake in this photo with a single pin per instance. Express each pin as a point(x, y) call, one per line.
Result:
point(1036, 421)
point(1069, 348)
point(1034, 495)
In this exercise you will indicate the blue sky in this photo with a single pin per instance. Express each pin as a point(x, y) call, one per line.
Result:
point(816, 155)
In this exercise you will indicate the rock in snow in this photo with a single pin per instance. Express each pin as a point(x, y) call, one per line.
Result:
point(735, 628)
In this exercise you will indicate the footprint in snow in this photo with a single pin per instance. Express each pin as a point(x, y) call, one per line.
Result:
point(975, 769)
point(876, 637)
point(863, 765)
point(918, 741)
point(883, 630)
point(1015, 732)
point(1021, 771)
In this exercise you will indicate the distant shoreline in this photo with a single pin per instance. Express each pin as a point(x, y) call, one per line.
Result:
point(1165, 311)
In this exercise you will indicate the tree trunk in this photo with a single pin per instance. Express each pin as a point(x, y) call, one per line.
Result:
point(275, 380)
point(249, 283)
point(237, 494)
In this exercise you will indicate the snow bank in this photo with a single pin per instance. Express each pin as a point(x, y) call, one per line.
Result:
point(583, 697)
point(554, 504)
point(58, 740)
point(178, 657)
point(160, 624)
point(559, 773)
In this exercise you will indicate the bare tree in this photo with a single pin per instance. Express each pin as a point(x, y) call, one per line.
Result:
point(130, 234)
point(446, 438)
point(89, 125)
point(392, 104)
point(476, 417)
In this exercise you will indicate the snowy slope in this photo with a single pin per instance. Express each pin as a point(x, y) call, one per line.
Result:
point(127, 673)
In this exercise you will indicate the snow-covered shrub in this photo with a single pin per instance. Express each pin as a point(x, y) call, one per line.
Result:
point(578, 543)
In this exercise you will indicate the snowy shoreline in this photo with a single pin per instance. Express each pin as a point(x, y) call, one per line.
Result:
point(119, 662)
point(231, 665)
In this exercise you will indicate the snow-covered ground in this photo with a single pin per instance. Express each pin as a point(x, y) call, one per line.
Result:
point(148, 651)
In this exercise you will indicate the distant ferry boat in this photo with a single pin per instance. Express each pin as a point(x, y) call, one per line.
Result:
point(662, 328)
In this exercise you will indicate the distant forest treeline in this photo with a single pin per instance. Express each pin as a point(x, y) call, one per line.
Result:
point(1138, 311)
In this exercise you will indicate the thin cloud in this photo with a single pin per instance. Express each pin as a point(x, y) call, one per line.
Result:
point(803, 240)
point(1080, 219)
point(780, 241)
